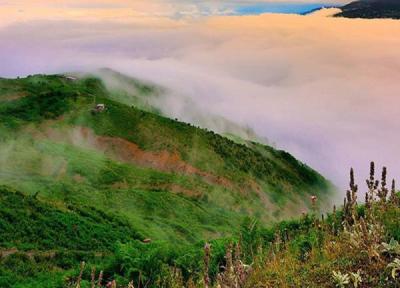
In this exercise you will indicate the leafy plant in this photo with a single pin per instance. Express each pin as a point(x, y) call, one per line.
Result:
point(392, 248)
point(341, 280)
point(356, 278)
point(395, 266)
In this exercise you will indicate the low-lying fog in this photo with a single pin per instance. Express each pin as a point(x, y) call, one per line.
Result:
point(325, 89)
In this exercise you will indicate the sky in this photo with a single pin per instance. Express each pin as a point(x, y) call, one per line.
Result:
point(325, 89)
point(126, 10)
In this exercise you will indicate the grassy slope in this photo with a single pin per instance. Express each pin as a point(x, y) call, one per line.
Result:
point(37, 236)
point(27, 223)
point(41, 153)
point(258, 180)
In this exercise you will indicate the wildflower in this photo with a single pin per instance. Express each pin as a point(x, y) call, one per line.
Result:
point(313, 199)
point(78, 282)
point(92, 276)
point(207, 252)
point(100, 280)
point(112, 284)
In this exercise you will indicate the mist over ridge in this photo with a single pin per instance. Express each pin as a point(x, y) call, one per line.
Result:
point(287, 77)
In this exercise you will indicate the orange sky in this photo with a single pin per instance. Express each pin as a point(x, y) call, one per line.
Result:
point(117, 10)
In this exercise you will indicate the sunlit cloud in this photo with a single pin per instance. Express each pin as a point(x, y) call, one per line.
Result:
point(133, 10)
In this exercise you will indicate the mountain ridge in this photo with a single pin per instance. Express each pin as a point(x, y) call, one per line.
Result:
point(371, 9)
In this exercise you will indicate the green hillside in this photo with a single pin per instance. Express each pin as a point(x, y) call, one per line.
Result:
point(126, 170)
point(160, 100)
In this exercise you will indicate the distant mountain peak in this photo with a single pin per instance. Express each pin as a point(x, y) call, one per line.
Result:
point(371, 9)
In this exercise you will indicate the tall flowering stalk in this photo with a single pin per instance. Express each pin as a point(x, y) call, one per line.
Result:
point(78, 281)
point(235, 272)
point(207, 253)
point(92, 276)
point(383, 190)
point(100, 279)
point(394, 198)
point(372, 184)
point(350, 202)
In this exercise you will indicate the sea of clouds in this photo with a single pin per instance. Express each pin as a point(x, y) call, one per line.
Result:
point(325, 89)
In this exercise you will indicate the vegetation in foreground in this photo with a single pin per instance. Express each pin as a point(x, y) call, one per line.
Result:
point(354, 246)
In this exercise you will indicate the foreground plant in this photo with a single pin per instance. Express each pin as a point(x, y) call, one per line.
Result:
point(356, 278)
point(392, 248)
point(341, 280)
point(235, 272)
point(395, 266)
point(300, 253)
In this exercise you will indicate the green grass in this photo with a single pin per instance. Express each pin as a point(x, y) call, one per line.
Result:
point(44, 239)
point(279, 176)
point(27, 223)
point(152, 211)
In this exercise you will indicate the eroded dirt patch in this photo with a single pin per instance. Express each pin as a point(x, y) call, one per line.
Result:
point(12, 96)
point(129, 152)
point(164, 160)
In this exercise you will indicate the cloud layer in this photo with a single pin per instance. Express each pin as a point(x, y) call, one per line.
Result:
point(325, 89)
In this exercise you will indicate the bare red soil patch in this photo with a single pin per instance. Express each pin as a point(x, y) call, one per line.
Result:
point(129, 152)
point(12, 96)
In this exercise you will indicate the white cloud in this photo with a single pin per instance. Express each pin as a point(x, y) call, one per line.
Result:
point(324, 89)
